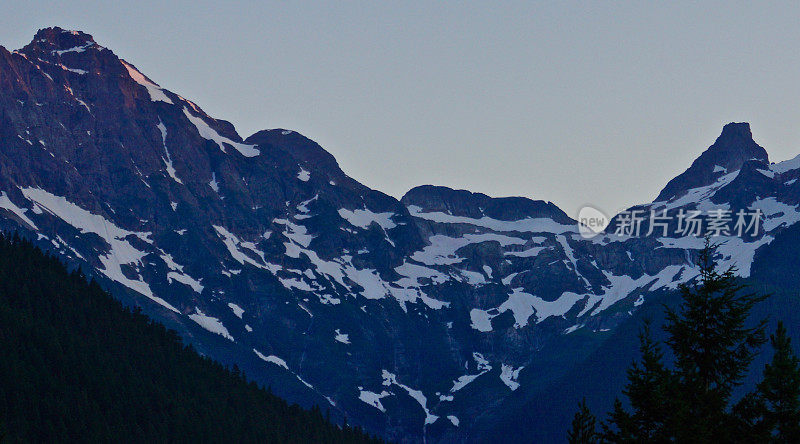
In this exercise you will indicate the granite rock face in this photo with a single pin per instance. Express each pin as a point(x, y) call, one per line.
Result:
point(413, 318)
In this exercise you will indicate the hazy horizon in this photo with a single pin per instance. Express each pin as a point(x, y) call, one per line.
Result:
point(570, 103)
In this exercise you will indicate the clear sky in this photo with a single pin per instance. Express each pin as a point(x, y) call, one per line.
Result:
point(590, 102)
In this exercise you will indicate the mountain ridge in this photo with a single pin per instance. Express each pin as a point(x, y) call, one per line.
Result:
point(408, 316)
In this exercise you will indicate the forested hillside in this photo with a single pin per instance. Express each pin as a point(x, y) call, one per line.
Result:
point(77, 365)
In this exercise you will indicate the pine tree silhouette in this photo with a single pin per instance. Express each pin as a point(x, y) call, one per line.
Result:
point(713, 350)
point(772, 412)
point(583, 426)
point(780, 388)
point(650, 392)
point(712, 347)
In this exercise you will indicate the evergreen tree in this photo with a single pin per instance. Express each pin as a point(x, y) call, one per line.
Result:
point(712, 348)
point(780, 388)
point(773, 411)
point(650, 392)
point(583, 426)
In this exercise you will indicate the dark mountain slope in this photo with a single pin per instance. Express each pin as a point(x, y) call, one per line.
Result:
point(601, 375)
point(77, 366)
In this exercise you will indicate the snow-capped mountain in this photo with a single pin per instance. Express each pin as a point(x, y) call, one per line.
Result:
point(413, 318)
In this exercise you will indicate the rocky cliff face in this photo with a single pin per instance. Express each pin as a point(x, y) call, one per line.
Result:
point(412, 317)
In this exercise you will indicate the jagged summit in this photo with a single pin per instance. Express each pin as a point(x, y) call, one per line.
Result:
point(736, 129)
point(58, 40)
point(735, 144)
point(733, 147)
point(55, 33)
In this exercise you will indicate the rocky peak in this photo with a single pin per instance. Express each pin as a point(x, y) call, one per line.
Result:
point(733, 147)
point(432, 198)
point(57, 41)
point(446, 200)
point(298, 146)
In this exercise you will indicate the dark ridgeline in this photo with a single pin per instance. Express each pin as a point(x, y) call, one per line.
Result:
point(75, 365)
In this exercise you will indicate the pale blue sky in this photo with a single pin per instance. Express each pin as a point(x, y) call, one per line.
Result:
point(575, 103)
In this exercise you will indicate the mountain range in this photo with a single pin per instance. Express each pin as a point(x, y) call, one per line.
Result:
point(445, 316)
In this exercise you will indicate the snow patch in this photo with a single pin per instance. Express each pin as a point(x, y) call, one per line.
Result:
point(303, 175)
point(168, 159)
point(81, 48)
point(777, 213)
point(6, 203)
point(237, 310)
point(120, 251)
point(390, 378)
point(342, 337)
point(272, 359)
point(213, 183)
point(210, 323)
point(364, 218)
point(509, 376)
point(442, 249)
point(373, 399)
point(531, 225)
point(482, 365)
point(208, 133)
point(235, 246)
point(185, 279)
point(156, 92)
point(523, 305)
point(786, 165)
